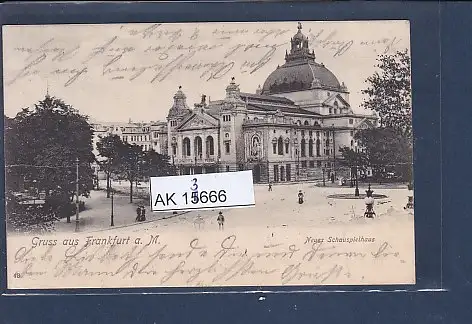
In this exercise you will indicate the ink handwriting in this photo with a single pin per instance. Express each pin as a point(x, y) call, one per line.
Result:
point(198, 263)
point(154, 53)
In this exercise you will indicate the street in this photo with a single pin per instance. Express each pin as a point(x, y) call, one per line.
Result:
point(275, 209)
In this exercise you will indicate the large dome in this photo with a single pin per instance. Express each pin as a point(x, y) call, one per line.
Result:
point(300, 76)
point(300, 71)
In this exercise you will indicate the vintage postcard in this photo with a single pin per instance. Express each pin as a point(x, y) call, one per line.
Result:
point(208, 154)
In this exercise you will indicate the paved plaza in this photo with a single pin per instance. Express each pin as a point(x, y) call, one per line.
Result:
point(274, 209)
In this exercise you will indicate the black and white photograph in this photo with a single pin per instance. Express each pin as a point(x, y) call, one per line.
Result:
point(208, 154)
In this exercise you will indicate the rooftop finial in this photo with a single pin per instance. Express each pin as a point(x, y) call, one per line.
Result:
point(47, 88)
point(232, 78)
point(180, 87)
point(299, 26)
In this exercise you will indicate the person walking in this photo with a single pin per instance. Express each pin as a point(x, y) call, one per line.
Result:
point(300, 197)
point(221, 221)
point(270, 186)
point(143, 213)
point(138, 213)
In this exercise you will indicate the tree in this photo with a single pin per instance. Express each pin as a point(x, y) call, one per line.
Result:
point(131, 159)
point(48, 139)
point(382, 149)
point(351, 158)
point(389, 92)
point(156, 165)
point(110, 148)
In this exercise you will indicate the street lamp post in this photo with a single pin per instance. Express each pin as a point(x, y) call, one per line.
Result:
point(356, 191)
point(77, 194)
point(112, 223)
point(324, 183)
point(98, 181)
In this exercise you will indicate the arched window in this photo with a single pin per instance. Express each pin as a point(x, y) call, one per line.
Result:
point(310, 147)
point(280, 146)
point(299, 122)
point(306, 123)
point(186, 146)
point(318, 147)
point(352, 143)
point(198, 146)
point(274, 146)
point(210, 146)
point(302, 147)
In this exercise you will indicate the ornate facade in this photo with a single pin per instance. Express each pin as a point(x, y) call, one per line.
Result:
point(291, 129)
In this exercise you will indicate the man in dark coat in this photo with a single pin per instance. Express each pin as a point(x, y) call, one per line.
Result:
point(221, 221)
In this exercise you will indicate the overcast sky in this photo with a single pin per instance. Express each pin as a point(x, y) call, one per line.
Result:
point(116, 72)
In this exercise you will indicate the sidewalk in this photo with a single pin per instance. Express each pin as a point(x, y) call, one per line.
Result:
point(97, 215)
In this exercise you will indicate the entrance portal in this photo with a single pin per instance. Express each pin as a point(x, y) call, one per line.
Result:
point(256, 173)
point(288, 172)
point(210, 169)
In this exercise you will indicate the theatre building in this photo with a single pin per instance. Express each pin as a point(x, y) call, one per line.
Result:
point(290, 129)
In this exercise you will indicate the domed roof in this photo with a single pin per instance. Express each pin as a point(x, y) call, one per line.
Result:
point(300, 71)
point(297, 77)
point(180, 106)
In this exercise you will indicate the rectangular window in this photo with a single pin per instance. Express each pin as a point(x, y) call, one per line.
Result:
point(312, 164)
point(174, 150)
point(286, 148)
point(351, 121)
point(274, 148)
point(318, 163)
point(352, 133)
point(226, 118)
point(303, 164)
point(227, 149)
point(227, 168)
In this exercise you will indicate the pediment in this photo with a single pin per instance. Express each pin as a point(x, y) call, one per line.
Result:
point(199, 121)
point(365, 124)
point(330, 101)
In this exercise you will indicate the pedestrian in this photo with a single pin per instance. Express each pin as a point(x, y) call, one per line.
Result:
point(143, 213)
point(221, 221)
point(138, 213)
point(270, 186)
point(300, 197)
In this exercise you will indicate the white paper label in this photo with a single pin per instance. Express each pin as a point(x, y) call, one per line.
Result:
point(202, 191)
